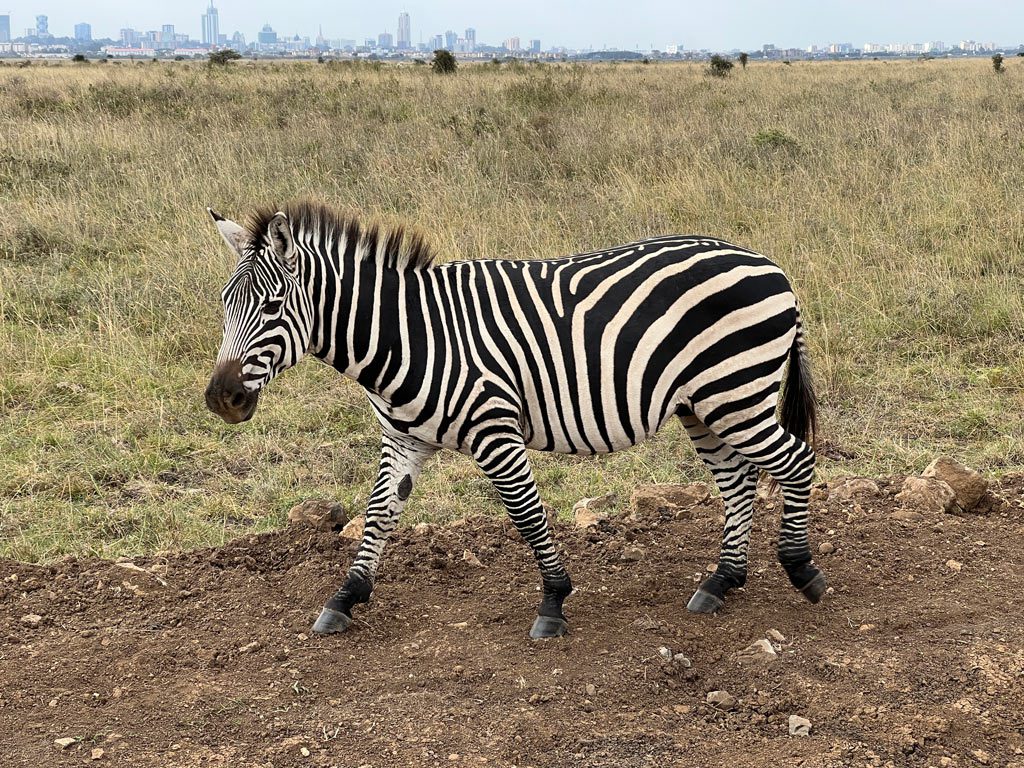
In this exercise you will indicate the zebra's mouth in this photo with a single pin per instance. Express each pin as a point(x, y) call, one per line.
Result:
point(227, 397)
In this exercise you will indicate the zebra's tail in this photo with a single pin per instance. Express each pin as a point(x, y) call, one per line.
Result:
point(799, 414)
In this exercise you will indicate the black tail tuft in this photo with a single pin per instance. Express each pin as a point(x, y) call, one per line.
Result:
point(799, 414)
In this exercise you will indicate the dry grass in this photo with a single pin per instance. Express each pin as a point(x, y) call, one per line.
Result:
point(889, 191)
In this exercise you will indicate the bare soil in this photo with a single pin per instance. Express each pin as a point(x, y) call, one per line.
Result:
point(913, 660)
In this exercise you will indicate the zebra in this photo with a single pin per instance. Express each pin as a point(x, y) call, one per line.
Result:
point(584, 354)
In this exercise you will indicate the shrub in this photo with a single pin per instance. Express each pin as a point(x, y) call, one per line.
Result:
point(773, 138)
point(224, 57)
point(79, 58)
point(744, 58)
point(444, 62)
point(719, 66)
point(997, 63)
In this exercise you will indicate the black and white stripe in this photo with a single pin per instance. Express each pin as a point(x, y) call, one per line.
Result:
point(586, 354)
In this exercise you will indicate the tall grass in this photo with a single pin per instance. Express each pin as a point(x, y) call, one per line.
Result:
point(890, 192)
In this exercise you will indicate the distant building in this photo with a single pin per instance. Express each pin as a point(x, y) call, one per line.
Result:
point(5, 28)
point(512, 44)
point(404, 31)
point(535, 46)
point(211, 26)
point(437, 42)
point(42, 26)
point(451, 39)
point(385, 40)
point(238, 41)
point(471, 39)
point(129, 38)
point(267, 36)
point(83, 33)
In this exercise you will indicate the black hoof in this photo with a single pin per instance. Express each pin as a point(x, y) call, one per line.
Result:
point(330, 622)
point(704, 602)
point(548, 626)
point(815, 588)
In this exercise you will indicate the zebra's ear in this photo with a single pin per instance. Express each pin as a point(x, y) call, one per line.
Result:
point(279, 235)
point(233, 234)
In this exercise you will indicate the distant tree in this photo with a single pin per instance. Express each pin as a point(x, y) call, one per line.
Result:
point(719, 66)
point(997, 63)
point(744, 58)
point(320, 59)
point(79, 58)
point(787, 62)
point(444, 62)
point(223, 57)
point(1021, 54)
point(419, 62)
point(646, 60)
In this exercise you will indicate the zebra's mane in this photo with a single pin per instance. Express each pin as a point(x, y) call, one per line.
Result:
point(394, 245)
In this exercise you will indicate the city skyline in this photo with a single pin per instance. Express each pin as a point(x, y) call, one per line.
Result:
point(666, 24)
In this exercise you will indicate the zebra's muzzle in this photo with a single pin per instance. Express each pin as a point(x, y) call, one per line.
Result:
point(227, 396)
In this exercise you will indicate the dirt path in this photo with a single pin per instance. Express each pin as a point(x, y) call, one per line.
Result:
point(909, 662)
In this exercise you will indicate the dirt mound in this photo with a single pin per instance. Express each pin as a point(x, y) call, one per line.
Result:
point(204, 658)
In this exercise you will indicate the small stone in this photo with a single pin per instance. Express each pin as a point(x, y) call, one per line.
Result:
point(681, 660)
point(96, 753)
point(453, 756)
point(954, 566)
point(354, 528)
point(945, 761)
point(854, 488)
point(31, 620)
point(968, 485)
point(472, 559)
point(927, 494)
point(587, 513)
point(65, 742)
point(722, 700)
point(758, 652)
point(52, 703)
point(665, 652)
point(304, 752)
point(775, 636)
point(591, 689)
point(907, 515)
point(799, 726)
point(826, 548)
point(250, 647)
point(981, 756)
point(649, 499)
point(320, 514)
point(866, 627)
point(423, 529)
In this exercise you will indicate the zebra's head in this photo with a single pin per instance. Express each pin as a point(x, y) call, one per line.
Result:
point(266, 315)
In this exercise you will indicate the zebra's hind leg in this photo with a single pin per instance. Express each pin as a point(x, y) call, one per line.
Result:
point(401, 459)
point(759, 438)
point(736, 479)
point(502, 457)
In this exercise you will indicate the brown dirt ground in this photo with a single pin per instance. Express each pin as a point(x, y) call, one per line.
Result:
point(908, 663)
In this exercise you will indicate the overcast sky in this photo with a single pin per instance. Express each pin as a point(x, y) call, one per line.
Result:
point(719, 25)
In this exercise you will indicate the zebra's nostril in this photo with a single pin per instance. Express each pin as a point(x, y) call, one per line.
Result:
point(237, 400)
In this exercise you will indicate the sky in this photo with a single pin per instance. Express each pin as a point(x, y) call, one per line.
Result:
point(647, 24)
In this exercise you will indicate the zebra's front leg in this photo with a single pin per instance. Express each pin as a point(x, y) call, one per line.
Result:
point(503, 459)
point(401, 459)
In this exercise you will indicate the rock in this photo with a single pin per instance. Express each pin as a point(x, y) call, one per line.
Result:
point(854, 488)
point(304, 752)
point(97, 753)
point(665, 652)
point(927, 494)
point(721, 700)
point(423, 529)
point(681, 660)
point(651, 499)
point(250, 647)
point(775, 636)
point(65, 742)
point(758, 652)
point(472, 559)
point(955, 566)
point(906, 515)
point(826, 548)
point(320, 514)
point(981, 756)
point(632, 554)
point(354, 528)
point(591, 689)
point(587, 513)
point(799, 726)
point(969, 486)
point(31, 620)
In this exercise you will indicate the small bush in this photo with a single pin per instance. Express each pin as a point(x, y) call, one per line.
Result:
point(79, 58)
point(997, 63)
point(773, 138)
point(223, 58)
point(720, 66)
point(744, 58)
point(444, 62)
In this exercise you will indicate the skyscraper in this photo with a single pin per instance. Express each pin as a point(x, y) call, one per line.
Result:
point(404, 31)
point(5, 28)
point(42, 26)
point(471, 38)
point(83, 32)
point(211, 26)
point(450, 39)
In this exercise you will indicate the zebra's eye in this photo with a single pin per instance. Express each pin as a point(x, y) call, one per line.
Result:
point(272, 307)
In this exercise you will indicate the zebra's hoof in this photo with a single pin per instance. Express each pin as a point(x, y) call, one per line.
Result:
point(815, 588)
point(548, 626)
point(704, 602)
point(331, 622)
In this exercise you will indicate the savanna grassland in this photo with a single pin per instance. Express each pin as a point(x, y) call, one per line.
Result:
point(890, 192)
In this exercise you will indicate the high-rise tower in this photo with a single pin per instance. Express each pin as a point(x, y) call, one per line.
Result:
point(404, 31)
point(211, 26)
